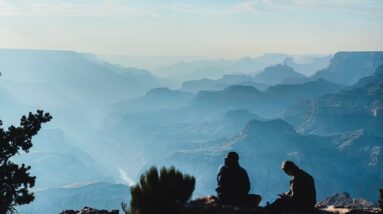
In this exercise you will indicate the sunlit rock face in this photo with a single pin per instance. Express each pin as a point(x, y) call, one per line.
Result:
point(345, 200)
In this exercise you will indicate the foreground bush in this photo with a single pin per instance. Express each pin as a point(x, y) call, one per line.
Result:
point(160, 192)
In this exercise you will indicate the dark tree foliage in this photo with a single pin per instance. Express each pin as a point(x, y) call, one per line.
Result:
point(15, 179)
point(160, 192)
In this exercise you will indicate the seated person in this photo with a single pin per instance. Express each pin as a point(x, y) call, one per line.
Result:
point(302, 194)
point(233, 183)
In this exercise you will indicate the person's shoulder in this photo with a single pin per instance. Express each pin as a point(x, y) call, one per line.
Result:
point(243, 170)
point(222, 168)
point(306, 175)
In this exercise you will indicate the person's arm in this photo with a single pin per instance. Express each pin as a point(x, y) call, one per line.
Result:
point(219, 180)
point(289, 193)
point(247, 182)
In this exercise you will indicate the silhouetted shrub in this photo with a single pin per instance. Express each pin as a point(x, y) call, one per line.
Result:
point(160, 192)
point(15, 180)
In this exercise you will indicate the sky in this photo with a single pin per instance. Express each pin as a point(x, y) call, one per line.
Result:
point(215, 28)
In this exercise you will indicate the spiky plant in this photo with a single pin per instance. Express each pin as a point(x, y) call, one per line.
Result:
point(160, 192)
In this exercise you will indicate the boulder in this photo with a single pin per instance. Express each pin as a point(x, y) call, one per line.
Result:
point(88, 210)
point(344, 200)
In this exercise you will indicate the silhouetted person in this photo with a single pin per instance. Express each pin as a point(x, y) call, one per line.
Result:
point(302, 194)
point(233, 183)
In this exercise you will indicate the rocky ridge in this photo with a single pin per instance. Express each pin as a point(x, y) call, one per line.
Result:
point(340, 203)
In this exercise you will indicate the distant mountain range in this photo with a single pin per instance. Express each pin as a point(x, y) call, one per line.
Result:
point(347, 68)
point(263, 145)
point(74, 87)
point(202, 131)
point(309, 68)
point(192, 120)
point(270, 103)
point(254, 65)
point(111, 123)
point(157, 99)
point(275, 74)
point(219, 84)
point(194, 70)
point(157, 133)
point(101, 195)
point(57, 163)
point(357, 107)
point(271, 75)
point(214, 69)
point(79, 76)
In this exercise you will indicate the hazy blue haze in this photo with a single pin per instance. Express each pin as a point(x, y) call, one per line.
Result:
point(112, 123)
point(184, 82)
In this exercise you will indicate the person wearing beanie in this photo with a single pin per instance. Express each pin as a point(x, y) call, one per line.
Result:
point(234, 184)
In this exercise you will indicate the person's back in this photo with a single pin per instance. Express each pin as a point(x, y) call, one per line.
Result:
point(304, 192)
point(233, 184)
point(233, 181)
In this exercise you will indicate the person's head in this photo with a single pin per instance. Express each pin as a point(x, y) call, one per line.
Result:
point(231, 159)
point(289, 168)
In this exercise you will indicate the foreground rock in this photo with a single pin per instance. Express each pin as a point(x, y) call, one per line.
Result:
point(340, 203)
point(88, 210)
point(344, 200)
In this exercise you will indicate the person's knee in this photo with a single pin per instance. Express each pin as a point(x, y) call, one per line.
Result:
point(255, 199)
point(258, 199)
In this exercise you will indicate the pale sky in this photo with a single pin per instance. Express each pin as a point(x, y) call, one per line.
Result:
point(212, 28)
